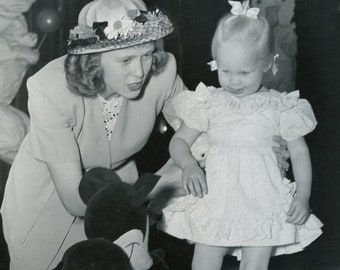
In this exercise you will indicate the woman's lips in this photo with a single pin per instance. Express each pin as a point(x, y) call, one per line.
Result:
point(135, 86)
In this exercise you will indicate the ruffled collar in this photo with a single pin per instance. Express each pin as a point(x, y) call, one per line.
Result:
point(261, 100)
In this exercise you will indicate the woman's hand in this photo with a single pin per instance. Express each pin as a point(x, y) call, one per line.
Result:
point(282, 154)
point(194, 181)
point(299, 211)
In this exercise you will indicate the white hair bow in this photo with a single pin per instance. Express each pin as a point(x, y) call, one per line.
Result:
point(213, 65)
point(243, 9)
point(274, 67)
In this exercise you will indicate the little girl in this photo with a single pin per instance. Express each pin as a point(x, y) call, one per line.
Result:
point(242, 205)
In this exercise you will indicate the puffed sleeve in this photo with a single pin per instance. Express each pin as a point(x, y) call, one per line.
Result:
point(51, 138)
point(191, 107)
point(296, 116)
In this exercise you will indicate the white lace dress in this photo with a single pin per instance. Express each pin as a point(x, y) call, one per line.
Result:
point(248, 199)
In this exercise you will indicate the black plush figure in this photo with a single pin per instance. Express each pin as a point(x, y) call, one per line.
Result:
point(116, 213)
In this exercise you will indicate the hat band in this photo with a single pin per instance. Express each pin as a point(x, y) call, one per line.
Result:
point(108, 35)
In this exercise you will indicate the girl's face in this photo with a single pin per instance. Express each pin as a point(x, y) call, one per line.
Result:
point(126, 70)
point(240, 70)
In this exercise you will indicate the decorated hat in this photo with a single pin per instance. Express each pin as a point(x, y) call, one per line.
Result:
point(105, 25)
point(94, 254)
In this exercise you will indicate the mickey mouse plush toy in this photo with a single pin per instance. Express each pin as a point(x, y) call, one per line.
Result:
point(116, 220)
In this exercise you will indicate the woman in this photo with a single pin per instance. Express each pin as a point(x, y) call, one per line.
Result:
point(96, 107)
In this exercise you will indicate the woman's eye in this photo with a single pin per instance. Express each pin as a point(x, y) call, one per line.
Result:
point(146, 56)
point(244, 73)
point(126, 60)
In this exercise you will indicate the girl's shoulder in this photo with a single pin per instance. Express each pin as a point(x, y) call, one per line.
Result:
point(289, 99)
point(274, 97)
point(201, 95)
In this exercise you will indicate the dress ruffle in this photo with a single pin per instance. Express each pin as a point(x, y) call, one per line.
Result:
point(241, 230)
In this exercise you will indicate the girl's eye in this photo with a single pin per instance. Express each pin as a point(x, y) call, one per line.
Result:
point(244, 73)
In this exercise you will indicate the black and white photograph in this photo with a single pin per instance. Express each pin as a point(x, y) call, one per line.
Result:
point(169, 135)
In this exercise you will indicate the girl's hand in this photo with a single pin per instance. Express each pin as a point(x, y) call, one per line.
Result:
point(299, 211)
point(194, 181)
point(282, 154)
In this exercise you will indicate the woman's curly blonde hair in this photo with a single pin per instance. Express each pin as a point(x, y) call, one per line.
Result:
point(85, 75)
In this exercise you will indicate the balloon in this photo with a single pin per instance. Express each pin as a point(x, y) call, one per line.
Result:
point(48, 20)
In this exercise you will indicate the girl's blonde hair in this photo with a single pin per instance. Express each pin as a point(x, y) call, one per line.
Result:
point(85, 75)
point(255, 32)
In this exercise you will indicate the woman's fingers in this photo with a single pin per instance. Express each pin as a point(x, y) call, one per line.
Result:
point(283, 163)
point(284, 152)
point(279, 140)
point(281, 151)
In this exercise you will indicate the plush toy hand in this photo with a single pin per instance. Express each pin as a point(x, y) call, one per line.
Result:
point(194, 181)
point(299, 211)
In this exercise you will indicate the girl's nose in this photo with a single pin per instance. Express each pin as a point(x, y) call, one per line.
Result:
point(234, 80)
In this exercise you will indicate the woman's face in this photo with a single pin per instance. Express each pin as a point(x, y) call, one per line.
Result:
point(126, 70)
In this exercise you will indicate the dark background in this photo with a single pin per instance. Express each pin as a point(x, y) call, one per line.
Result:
point(318, 78)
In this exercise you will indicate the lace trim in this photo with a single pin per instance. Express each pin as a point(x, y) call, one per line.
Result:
point(110, 110)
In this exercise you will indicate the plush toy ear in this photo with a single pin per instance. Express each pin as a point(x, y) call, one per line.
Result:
point(93, 180)
point(143, 187)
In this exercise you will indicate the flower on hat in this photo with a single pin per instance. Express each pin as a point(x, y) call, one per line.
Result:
point(119, 27)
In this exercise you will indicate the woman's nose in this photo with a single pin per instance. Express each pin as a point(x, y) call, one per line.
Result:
point(138, 69)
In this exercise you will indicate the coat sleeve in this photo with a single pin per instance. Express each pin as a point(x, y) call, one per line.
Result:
point(174, 86)
point(51, 138)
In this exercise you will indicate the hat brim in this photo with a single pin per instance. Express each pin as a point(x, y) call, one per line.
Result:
point(108, 45)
